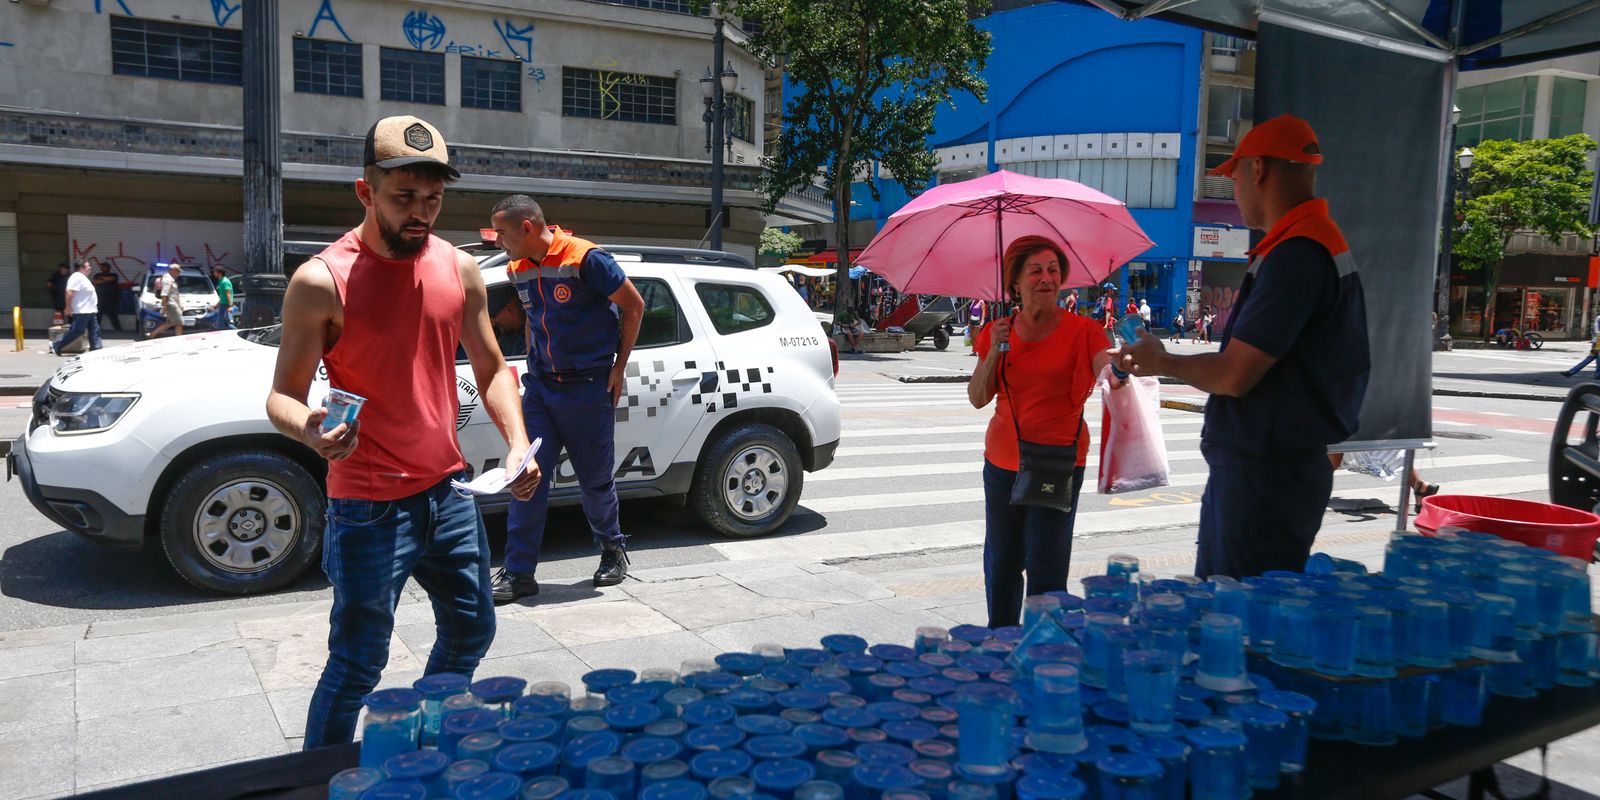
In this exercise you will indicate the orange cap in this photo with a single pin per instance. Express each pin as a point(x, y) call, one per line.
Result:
point(1285, 136)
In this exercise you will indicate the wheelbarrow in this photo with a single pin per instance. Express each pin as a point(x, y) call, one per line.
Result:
point(932, 319)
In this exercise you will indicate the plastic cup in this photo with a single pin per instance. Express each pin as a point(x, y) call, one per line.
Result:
point(1369, 713)
point(1055, 724)
point(1299, 709)
point(1173, 754)
point(819, 790)
point(1262, 600)
point(1129, 776)
point(350, 783)
point(1463, 693)
point(1036, 608)
point(1096, 651)
point(1293, 633)
point(1221, 666)
point(343, 407)
point(1123, 565)
point(1514, 678)
point(391, 726)
point(662, 771)
point(1574, 653)
point(1375, 653)
point(988, 713)
point(1216, 764)
point(1113, 586)
point(1542, 667)
point(1428, 640)
point(1411, 698)
point(491, 786)
point(1050, 787)
point(677, 789)
point(1265, 731)
point(929, 637)
point(1494, 628)
point(1525, 593)
point(1334, 639)
point(462, 771)
point(1120, 640)
point(1152, 684)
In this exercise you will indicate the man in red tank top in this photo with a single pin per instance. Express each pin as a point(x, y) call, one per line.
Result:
point(383, 309)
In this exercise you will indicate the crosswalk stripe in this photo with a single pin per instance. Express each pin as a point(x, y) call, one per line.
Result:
point(969, 532)
point(911, 470)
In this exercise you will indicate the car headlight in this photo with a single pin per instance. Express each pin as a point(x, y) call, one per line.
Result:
point(88, 413)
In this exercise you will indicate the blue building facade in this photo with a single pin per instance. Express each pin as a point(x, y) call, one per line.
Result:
point(1076, 93)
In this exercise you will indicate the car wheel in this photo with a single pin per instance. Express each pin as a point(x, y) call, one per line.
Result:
point(243, 523)
point(941, 338)
point(748, 481)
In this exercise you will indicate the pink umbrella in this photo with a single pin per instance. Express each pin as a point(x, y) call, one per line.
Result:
point(950, 239)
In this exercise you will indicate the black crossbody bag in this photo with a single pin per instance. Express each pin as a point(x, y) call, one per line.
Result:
point(1045, 472)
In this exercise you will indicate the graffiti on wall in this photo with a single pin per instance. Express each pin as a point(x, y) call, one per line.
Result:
point(427, 31)
point(325, 12)
point(222, 12)
point(132, 260)
point(423, 30)
point(518, 39)
point(120, 4)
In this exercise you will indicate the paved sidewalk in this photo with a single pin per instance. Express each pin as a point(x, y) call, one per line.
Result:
point(84, 707)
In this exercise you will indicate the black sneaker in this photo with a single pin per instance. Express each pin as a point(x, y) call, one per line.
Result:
point(510, 586)
point(613, 566)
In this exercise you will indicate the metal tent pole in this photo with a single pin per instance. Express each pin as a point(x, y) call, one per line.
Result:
point(1405, 492)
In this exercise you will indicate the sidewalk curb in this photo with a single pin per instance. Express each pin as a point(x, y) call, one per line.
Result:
point(1165, 381)
point(1498, 395)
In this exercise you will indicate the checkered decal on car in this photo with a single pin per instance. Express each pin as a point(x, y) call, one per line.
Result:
point(647, 387)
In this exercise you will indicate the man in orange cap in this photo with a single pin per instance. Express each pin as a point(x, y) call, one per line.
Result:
point(1292, 372)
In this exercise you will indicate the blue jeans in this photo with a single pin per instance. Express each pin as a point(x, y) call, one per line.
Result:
point(1260, 511)
point(1578, 367)
point(1018, 539)
point(581, 417)
point(81, 324)
point(369, 550)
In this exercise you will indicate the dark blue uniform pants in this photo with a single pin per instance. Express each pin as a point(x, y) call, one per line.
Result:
point(1022, 539)
point(580, 417)
point(1260, 511)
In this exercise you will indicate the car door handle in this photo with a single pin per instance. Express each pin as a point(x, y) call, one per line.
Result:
point(686, 376)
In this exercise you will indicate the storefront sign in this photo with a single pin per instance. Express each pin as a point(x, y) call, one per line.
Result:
point(1212, 242)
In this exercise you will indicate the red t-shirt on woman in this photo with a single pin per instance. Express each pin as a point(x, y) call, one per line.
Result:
point(1049, 380)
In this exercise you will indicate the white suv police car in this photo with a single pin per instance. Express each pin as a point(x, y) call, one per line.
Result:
point(729, 401)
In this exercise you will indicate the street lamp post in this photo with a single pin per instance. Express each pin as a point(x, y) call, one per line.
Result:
point(1441, 305)
point(1463, 192)
point(715, 89)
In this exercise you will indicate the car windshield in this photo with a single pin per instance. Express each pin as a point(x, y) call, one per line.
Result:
point(187, 284)
point(271, 336)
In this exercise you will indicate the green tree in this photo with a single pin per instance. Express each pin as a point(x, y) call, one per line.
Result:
point(868, 76)
point(779, 243)
point(1542, 186)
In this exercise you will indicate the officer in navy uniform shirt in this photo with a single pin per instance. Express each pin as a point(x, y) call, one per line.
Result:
point(1292, 373)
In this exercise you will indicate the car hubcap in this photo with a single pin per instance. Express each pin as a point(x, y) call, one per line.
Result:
point(246, 526)
point(755, 482)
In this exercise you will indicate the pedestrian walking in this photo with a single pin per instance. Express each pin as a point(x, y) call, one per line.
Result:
point(1208, 322)
point(84, 304)
point(1144, 314)
point(1072, 302)
point(224, 298)
point(577, 368)
point(1291, 375)
point(107, 283)
point(1594, 355)
point(169, 292)
point(383, 309)
point(57, 284)
point(1041, 383)
point(1178, 324)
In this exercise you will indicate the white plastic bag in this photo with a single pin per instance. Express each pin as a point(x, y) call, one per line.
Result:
point(1385, 464)
point(1133, 454)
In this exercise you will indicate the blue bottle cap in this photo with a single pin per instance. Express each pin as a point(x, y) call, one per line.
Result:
point(548, 787)
point(782, 775)
point(525, 757)
point(1112, 711)
point(1190, 711)
point(1114, 737)
point(420, 765)
point(499, 689)
point(821, 736)
point(801, 698)
point(971, 634)
point(601, 681)
point(650, 749)
point(912, 697)
point(934, 748)
point(892, 652)
point(440, 685)
point(844, 643)
point(1206, 737)
point(1069, 601)
point(470, 720)
point(1287, 702)
point(932, 771)
point(777, 746)
point(463, 769)
point(1010, 634)
point(937, 660)
point(588, 747)
point(846, 701)
point(1257, 714)
point(633, 716)
point(669, 770)
point(979, 663)
point(744, 664)
point(999, 778)
point(539, 705)
point(987, 693)
point(859, 663)
point(828, 686)
point(889, 710)
point(633, 693)
point(938, 715)
point(1162, 748)
point(838, 759)
point(1037, 763)
point(489, 786)
point(1050, 787)
point(713, 764)
point(529, 729)
point(763, 724)
point(790, 674)
point(666, 728)
point(800, 716)
point(910, 730)
point(707, 712)
point(1194, 691)
point(883, 776)
point(1261, 682)
point(867, 735)
point(677, 789)
point(808, 657)
point(885, 753)
point(747, 701)
point(959, 675)
point(850, 717)
point(393, 700)
point(1129, 765)
point(932, 686)
point(713, 737)
point(394, 790)
point(715, 682)
point(587, 794)
point(909, 669)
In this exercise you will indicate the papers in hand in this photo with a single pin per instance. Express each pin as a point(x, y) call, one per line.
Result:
point(495, 480)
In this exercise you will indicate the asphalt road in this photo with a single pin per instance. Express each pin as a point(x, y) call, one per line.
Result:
point(905, 488)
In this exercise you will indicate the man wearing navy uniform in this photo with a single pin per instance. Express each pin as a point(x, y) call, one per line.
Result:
point(584, 315)
point(1292, 373)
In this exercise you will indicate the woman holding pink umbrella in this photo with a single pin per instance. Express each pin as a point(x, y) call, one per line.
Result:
point(1041, 363)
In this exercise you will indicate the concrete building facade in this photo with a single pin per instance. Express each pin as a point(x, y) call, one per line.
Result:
point(120, 123)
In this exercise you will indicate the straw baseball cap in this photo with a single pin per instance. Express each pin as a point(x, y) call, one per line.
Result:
point(1285, 136)
point(402, 141)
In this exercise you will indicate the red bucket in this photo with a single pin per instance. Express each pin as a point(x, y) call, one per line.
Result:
point(1563, 530)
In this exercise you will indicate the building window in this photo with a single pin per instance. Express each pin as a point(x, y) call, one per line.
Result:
point(408, 76)
point(490, 83)
point(1502, 110)
point(675, 6)
point(602, 94)
point(327, 67)
point(1566, 106)
point(197, 53)
point(741, 118)
point(1226, 109)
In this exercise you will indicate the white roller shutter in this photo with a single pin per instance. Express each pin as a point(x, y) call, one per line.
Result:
point(132, 245)
point(10, 265)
